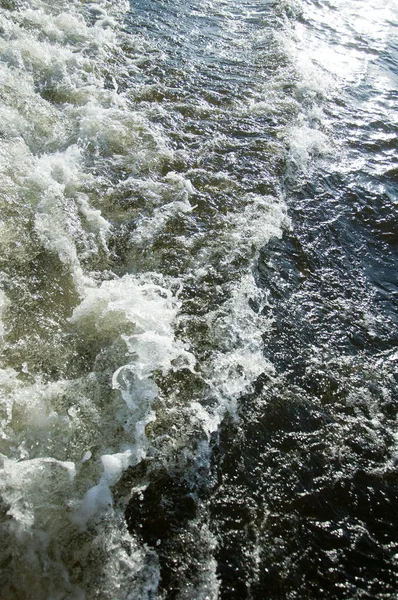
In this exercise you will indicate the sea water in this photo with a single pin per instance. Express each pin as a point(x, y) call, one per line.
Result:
point(198, 245)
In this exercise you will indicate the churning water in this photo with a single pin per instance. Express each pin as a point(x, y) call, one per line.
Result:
point(199, 299)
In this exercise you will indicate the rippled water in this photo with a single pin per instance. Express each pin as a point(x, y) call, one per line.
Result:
point(199, 299)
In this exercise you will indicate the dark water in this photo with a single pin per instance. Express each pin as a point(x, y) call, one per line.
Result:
point(200, 300)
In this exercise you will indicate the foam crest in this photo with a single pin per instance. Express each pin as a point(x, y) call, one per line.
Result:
point(306, 144)
point(147, 310)
point(236, 330)
point(117, 303)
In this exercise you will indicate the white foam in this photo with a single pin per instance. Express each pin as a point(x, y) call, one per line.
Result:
point(3, 305)
point(307, 143)
point(239, 359)
point(148, 310)
point(68, 144)
point(50, 432)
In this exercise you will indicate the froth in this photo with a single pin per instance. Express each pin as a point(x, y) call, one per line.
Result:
point(93, 349)
point(60, 126)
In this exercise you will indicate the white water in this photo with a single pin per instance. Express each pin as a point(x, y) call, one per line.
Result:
point(89, 337)
point(68, 146)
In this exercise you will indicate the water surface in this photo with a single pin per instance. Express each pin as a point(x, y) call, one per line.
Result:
point(198, 238)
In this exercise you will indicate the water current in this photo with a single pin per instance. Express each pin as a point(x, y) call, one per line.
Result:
point(199, 299)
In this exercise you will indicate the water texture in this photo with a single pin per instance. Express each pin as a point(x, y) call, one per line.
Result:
point(199, 299)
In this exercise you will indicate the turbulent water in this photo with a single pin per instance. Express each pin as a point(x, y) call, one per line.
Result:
point(199, 299)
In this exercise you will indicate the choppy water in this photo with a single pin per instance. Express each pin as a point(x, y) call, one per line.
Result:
point(199, 305)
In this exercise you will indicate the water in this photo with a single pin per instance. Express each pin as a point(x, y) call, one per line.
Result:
point(199, 299)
